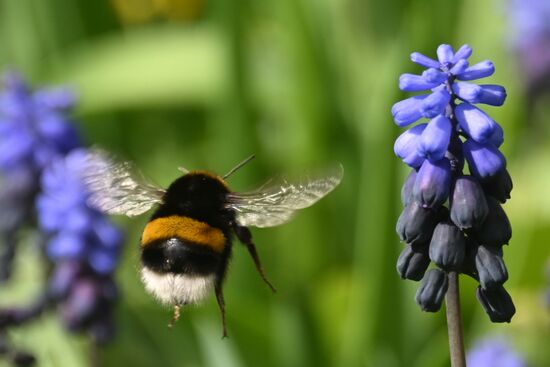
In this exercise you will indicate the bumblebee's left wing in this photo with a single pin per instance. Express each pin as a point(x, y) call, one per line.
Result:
point(116, 187)
point(275, 203)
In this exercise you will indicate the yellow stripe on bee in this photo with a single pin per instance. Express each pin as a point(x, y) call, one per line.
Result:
point(184, 228)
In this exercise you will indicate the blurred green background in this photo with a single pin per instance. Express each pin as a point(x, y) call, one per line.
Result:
point(300, 83)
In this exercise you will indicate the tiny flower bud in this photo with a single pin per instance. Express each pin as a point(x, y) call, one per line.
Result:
point(406, 190)
point(407, 111)
point(445, 54)
point(480, 70)
point(468, 204)
point(476, 123)
point(406, 146)
point(496, 230)
point(484, 160)
point(497, 303)
point(463, 52)
point(425, 61)
point(413, 262)
point(499, 186)
point(493, 95)
point(497, 137)
point(434, 141)
point(415, 224)
point(459, 67)
point(415, 83)
point(447, 246)
point(429, 295)
point(433, 183)
point(490, 267)
point(435, 103)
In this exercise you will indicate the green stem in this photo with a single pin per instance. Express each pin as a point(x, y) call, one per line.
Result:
point(454, 322)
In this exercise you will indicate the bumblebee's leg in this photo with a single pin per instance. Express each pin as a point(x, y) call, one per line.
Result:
point(244, 235)
point(175, 315)
point(221, 304)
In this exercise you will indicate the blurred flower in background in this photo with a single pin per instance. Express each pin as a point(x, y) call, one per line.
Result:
point(467, 235)
point(530, 35)
point(40, 160)
point(494, 352)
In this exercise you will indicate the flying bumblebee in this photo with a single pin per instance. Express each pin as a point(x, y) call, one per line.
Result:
point(186, 245)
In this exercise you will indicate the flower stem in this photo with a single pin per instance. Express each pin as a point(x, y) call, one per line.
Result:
point(454, 322)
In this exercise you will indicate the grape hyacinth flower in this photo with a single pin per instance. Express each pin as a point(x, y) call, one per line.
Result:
point(453, 218)
point(84, 246)
point(494, 353)
point(40, 160)
point(33, 129)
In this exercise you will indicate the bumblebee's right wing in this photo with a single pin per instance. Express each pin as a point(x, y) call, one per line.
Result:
point(116, 187)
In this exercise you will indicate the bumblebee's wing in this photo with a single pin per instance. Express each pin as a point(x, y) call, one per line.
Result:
point(116, 187)
point(276, 202)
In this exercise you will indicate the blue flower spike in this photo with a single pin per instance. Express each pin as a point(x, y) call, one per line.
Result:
point(40, 161)
point(451, 216)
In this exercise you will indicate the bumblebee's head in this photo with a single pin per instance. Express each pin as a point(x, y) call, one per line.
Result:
point(197, 191)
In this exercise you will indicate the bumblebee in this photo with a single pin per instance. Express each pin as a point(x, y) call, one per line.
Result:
point(187, 243)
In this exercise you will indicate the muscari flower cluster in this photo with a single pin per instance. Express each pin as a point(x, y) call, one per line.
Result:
point(450, 218)
point(40, 166)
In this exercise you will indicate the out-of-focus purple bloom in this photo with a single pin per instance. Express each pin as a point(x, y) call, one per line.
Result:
point(40, 166)
point(77, 231)
point(458, 132)
point(34, 127)
point(494, 353)
point(530, 38)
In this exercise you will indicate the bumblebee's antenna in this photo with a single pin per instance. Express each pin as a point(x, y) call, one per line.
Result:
point(234, 169)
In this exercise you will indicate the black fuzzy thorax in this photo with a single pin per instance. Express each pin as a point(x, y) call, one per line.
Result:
point(199, 196)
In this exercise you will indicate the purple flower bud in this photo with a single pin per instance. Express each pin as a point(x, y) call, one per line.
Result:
point(459, 67)
point(405, 146)
point(406, 190)
point(490, 267)
point(497, 137)
point(434, 75)
point(476, 123)
point(497, 303)
point(434, 141)
point(413, 262)
point(464, 52)
point(415, 83)
point(496, 230)
point(435, 103)
point(499, 186)
point(490, 94)
point(468, 204)
point(81, 304)
point(485, 160)
point(431, 292)
point(407, 111)
point(480, 70)
point(433, 183)
point(415, 224)
point(425, 61)
point(455, 155)
point(448, 246)
point(64, 276)
point(445, 54)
